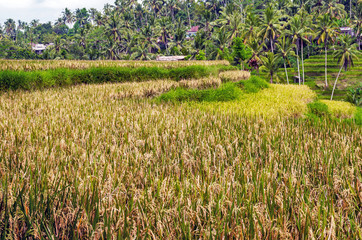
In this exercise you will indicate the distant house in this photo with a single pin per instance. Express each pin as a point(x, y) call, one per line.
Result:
point(40, 48)
point(192, 32)
point(347, 31)
point(170, 58)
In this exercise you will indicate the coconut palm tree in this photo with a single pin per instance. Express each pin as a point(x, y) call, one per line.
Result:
point(256, 48)
point(295, 32)
point(346, 52)
point(334, 9)
point(271, 25)
point(252, 22)
point(326, 31)
point(285, 48)
point(305, 33)
point(270, 64)
point(10, 28)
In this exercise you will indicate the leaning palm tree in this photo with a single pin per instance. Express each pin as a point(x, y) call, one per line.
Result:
point(285, 47)
point(346, 53)
point(326, 31)
point(270, 64)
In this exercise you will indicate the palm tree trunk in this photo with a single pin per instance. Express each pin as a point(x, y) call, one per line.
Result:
point(325, 63)
point(302, 60)
point(271, 44)
point(271, 78)
point(188, 14)
point(298, 64)
point(335, 83)
point(286, 73)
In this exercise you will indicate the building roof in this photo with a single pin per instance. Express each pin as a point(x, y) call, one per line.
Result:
point(345, 29)
point(170, 58)
point(194, 29)
point(39, 47)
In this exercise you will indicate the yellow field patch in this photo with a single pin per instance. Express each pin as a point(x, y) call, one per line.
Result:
point(271, 103)
point(340, 109)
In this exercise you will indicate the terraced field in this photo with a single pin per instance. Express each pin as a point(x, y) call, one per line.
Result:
point(314, 75)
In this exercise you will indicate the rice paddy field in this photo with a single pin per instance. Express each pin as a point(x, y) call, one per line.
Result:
point(114, 161)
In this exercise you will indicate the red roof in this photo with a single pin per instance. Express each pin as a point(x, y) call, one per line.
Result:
point(194, 29)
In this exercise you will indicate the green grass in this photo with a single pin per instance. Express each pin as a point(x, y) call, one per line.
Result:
point(226, 92)
point(31, 80)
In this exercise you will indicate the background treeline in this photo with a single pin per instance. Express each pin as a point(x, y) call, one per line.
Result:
point(131, 29)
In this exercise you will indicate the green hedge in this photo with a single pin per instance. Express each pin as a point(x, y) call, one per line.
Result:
point(13, 80)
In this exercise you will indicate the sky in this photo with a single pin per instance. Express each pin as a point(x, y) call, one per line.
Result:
point(44, 10)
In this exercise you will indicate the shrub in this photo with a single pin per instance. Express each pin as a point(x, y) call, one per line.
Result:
point(227, 92)
point(355, 95)
point(201, 56)
point(318, 109)
point(254, 84)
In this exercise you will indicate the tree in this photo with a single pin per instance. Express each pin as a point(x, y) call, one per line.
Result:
point(285, 47)
point(256, 49)
point(326, 31)
point(271, 25)
point(240, 52)
point(346, 52)
point(271, 64)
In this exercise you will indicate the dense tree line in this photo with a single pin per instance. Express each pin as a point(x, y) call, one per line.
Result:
point(132, 30)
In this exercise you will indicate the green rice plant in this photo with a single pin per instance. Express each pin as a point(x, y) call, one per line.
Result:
point(318, 108)
point(254, 84)
point(358, 116)
point(226, 92)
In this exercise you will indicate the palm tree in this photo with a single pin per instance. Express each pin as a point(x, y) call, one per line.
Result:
point(334, 9)
point(163, 30)
point(252, 22)
point(295, 31)
point(305, 33)
point(326, 31)
point(256, 49)
point(271, 25)
point(285, 47)
point(10, 28)
point(346, 52)
point(271, 64)
point(68, 16)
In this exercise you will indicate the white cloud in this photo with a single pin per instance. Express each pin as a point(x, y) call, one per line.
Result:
point(44, 10)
